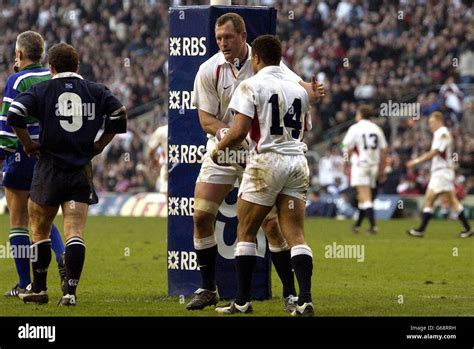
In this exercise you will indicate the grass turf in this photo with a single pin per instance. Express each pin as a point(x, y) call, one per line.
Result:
point(400, 276)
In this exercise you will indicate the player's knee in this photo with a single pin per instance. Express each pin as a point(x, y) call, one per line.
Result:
point(203, 220)
point(296, 239)
point(40, 229)
point(272, 230)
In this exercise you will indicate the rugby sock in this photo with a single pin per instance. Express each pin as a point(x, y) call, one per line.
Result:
point(463, 219)
point(369, 212)
point(302, 260)
point(425, 218)
point(75, 256)
point(20, 241)
point(281, 258)
point(40, 259)
point(56, 243)
point(361, 215)
point(245, 260)
point(206, 252)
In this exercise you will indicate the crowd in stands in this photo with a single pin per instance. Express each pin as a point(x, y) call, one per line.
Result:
point(369, 51)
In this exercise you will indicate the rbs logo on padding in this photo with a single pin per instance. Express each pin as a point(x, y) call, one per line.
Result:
point(187, 46)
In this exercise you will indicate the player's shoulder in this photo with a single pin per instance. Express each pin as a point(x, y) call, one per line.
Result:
point(251, 84)
point(443, 133)
point(210, 65)
point(95, 87)
point(15, 79)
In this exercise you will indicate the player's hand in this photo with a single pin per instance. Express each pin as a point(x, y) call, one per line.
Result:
point(32, 149)
point(318, 88)
point(411, 164)
point(216, 158)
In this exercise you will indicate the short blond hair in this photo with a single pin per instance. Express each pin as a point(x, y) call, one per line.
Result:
point(437, 115)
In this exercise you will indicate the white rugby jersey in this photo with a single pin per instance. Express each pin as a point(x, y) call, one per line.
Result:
point(365, 139)
point(443, 143)
point(160, 136)
point(278, 107)
point(217, 80)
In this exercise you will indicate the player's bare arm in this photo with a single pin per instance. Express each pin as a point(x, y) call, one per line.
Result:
point(209, 123)
point(235, 136)
point(423, 158)
point(102, 142)
point(31, 147)
point(119, 116)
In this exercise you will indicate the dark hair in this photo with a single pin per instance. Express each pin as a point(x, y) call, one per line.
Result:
point(63, 58)
point(31, 44)
point(366, 111)
point(268, 48)
point(237, 21)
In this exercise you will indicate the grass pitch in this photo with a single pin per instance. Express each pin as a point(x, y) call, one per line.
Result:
point(125, 273)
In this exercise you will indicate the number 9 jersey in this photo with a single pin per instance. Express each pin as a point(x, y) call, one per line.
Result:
point(278, 107)
point(70, 111)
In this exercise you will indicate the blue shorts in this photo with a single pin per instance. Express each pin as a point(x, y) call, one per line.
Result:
point(18, 170)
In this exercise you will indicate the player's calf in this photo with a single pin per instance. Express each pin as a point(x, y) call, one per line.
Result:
point(281, 258)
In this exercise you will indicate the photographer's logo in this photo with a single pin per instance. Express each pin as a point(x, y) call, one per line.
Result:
point(345, 252)
point(19, 252)
point(37, 332)
point(402, 110)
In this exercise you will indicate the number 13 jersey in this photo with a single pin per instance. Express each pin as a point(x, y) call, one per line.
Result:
point(365, 139)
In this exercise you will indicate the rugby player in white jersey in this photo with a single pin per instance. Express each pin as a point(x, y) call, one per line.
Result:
point(273, 109)
point(215, 83)
point(366, 146)
point(442, 176)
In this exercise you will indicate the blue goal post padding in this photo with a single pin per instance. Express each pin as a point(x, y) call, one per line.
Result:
point(192, 42)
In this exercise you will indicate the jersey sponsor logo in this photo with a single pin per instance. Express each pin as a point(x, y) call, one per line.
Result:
point(182, 260)
point(187, 154)
point(181, 100)
point(187, 46)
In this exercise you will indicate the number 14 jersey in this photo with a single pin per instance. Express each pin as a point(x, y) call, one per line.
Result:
point(278, 107)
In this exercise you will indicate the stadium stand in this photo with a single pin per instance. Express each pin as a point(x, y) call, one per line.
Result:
point(415, 51)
